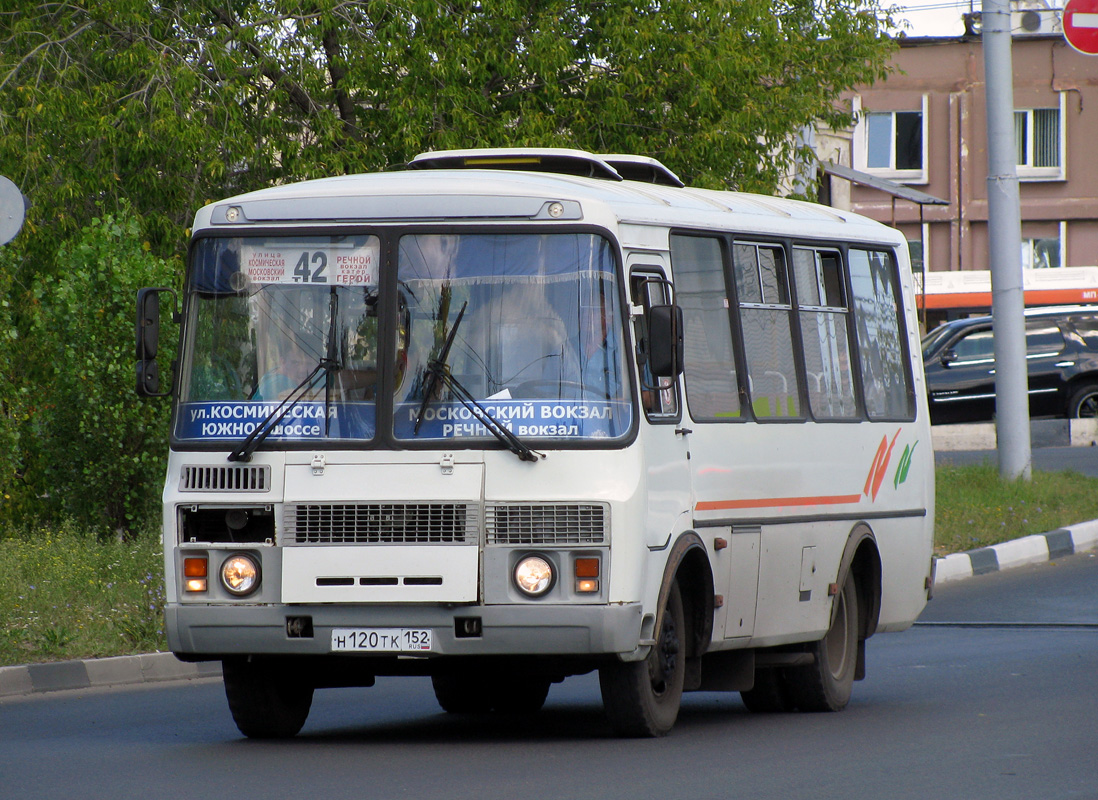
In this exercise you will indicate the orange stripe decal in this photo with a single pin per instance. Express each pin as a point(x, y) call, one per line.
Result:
point(777, 502)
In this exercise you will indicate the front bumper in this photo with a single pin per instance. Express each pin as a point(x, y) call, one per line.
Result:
point(215, 631)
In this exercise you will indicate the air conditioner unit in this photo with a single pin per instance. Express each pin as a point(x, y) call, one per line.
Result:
point(1032, 22)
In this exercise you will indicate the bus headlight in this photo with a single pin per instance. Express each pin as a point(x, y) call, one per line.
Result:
point(534, 576)
point(240, 574)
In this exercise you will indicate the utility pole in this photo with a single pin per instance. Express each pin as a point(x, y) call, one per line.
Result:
point(1005, 248)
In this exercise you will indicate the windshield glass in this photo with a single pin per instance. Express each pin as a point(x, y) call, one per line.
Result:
point(538, 348)
point(538, 344)
point(934, 340)
point(263, 315)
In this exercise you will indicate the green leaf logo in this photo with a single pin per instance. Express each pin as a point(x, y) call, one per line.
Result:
point(904, 466)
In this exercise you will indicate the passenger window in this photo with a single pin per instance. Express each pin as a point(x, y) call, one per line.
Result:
point(886, 376)
point(712, 388)
point(824, 336)
point(659, 396)
point(975, 348)
point(1087, 327)
point(1046, 340)
point(765, 313)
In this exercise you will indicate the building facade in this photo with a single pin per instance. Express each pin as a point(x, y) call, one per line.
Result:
point(925, 127)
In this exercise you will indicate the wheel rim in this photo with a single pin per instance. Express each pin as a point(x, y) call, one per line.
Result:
point(663, 660)
point(838, 637)
point(1088, 407)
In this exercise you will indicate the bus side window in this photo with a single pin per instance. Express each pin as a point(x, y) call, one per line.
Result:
point(882, 353)
point(710, 376)
point(659, 396)
point(823, 312)
point(765, 322)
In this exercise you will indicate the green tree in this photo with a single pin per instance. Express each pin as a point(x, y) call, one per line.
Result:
point(143, 110)
point(169, 104)
point(92, 452)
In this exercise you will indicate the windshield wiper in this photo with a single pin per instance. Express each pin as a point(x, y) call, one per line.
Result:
point(439, 370)
point(432, 373)
point(483, 415)
point(244, 450)
point(328, 364)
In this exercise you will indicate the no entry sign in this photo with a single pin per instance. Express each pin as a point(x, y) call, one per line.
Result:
point(1081, 25)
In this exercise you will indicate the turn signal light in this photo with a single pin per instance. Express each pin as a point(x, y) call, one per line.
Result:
point(587, 575)
point(195, 573)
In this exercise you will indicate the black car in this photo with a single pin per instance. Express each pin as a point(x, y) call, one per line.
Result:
point(1061, 351)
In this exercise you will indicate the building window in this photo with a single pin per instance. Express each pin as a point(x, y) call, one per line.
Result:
point(1037, 134)
point(1041, 253)
point(892, 144)
point(894, 140)
point(1039, 139)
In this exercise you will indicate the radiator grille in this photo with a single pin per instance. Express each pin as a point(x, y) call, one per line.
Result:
point(381, 523)
point(546, 524)
point(234, 478)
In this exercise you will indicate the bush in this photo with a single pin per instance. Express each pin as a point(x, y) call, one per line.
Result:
point(93, 451)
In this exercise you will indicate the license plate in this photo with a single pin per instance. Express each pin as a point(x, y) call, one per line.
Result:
point(381, 640)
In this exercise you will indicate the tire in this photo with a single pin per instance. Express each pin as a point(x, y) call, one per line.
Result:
point(1084, 402)
point(769, 695)
point(266, 702)
point(521, 695)
point(826, 684)
point(642, 698)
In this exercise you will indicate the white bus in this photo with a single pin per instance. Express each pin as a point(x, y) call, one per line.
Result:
point(509, 416)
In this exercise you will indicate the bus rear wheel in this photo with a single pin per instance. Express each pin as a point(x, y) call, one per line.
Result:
point(827, 683)
point(642, 698)
point(266, 702)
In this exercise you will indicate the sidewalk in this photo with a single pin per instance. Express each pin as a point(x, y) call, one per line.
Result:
point(100, 672)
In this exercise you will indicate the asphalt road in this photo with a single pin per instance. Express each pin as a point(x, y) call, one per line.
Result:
point(990, 696)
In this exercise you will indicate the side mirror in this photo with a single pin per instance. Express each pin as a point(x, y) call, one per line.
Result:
point(665, 341)
point(147, 334)
point(947, 358)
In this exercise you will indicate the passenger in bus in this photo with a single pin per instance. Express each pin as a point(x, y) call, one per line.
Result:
point(290, 364)
point(599, 370)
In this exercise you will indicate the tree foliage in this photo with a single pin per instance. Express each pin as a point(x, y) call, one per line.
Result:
point(135, 112)
point(170, 104)
point(98, 454)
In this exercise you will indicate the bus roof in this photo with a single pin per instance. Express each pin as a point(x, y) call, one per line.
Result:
point(494, 185)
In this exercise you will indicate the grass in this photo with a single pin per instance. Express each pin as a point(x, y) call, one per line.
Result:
point(976, 509)
point(66, 595)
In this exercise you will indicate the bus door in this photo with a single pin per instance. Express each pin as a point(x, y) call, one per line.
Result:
point(716, 443)
point(665, 448)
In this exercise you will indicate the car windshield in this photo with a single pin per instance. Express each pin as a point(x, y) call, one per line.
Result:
point(302, 320)
point(933, 341)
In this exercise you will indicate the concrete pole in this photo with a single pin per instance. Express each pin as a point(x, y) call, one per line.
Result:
point(1005, 248)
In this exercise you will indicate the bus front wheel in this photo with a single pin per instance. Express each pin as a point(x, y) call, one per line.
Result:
point(642, 698)
point(266, 702)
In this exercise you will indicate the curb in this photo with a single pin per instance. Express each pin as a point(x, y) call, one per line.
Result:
point(1034, 549)
point(98, 672)
point(159, 667)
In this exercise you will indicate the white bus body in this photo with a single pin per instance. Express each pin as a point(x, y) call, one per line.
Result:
point(742, 520)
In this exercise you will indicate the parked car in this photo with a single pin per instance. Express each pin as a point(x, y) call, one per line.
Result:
point(1061, 352)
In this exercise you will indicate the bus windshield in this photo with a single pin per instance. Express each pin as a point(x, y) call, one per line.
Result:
point(537, 346)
